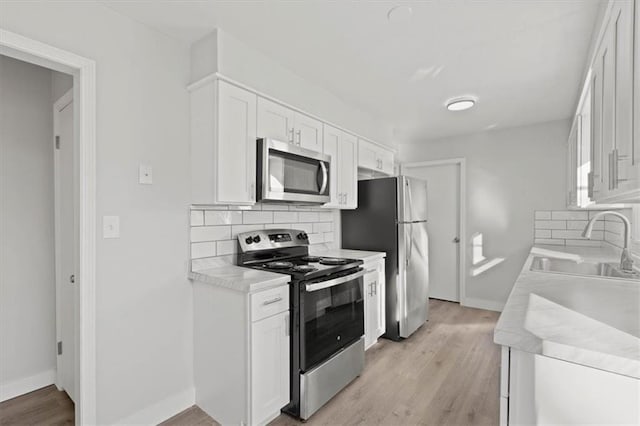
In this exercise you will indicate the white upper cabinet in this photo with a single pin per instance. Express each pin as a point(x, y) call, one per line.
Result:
point(342, 147)
point(308, 132)
point(332, 138)
point(348, 172)
point(572, 163)
point(223, 144)
point(375, 158)
point(276, 121)
point(613, 160)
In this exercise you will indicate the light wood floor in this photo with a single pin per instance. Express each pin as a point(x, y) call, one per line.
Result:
point(46, 406)
point(447, 373)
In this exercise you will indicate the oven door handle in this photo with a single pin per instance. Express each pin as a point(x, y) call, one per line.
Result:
point(334, 282)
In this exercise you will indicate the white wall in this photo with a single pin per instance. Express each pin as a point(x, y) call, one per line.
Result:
point(60, 84)
point(27, 274)
point(144, 300)
point(510, 174)
point(248, 66)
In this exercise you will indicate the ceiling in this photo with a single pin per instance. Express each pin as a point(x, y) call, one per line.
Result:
point(522, 59)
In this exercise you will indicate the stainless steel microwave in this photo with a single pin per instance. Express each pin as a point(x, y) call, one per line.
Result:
point(288, 173)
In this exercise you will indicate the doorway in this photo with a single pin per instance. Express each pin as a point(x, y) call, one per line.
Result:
point(445, 225)
point(84, 193)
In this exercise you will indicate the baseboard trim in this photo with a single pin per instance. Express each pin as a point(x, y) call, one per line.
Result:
point(489, 305)
point(19, 387)
point(162, 410)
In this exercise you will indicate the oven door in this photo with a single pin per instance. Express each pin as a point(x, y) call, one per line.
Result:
point(290, 173)
point(331, 316)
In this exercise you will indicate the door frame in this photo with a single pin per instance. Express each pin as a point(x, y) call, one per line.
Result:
point(58, 106)
point(462, 225)
point(83, 71)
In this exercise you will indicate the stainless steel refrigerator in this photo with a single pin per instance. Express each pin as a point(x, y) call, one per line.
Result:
point(391, 217)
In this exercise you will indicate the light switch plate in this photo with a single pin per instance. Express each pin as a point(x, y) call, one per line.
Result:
point(111, 226)
point(145, 174)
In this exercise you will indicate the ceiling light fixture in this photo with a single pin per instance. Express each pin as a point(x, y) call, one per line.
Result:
point(460, 104)
point(399, 14)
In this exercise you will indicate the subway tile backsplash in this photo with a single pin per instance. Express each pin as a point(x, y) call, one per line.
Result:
point(564, 227)
point(214, 229)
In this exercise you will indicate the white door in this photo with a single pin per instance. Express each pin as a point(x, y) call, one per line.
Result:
point(65, 244)
point(308, 132)
point(269, 366)
point(443, 224)
point(275, 121)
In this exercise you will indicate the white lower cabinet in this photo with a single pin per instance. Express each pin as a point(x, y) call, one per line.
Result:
point(540, 390)
point(269, 366)
point(241, 353)
point(374, 302)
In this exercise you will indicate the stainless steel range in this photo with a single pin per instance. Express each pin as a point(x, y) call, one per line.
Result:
point(327, 311)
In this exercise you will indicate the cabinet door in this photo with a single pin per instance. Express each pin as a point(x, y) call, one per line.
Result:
point(386, 161)
point(332, 137)
point(380, 291)
point(236, 139)
point(367, 155)
point(348, 172)
point(572, 163)
point(275, 121)
point(621, 26)
point(371, 308)
point(636, 107)
point(308, 132)
point(269, 367)
point(596, 177)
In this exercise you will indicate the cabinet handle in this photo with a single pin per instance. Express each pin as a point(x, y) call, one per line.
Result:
point(252, 191)
point(374, 288)
point(272, 301)
point(299, 133)
point(291, 135)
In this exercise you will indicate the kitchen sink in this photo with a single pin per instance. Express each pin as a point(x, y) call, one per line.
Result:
point(571, 267)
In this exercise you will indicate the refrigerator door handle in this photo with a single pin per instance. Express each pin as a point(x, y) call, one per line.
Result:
point(409, 244)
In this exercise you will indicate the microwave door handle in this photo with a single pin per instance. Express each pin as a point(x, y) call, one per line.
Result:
point(325, 177)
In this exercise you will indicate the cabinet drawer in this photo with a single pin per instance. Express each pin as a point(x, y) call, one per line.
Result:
point(269, 302)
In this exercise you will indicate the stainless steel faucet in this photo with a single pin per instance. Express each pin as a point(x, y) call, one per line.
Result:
point(626, 263)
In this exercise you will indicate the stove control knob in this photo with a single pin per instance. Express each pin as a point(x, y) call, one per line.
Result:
point(256, 239)
point(248, 240)
point(300, 236)
point(305, 236)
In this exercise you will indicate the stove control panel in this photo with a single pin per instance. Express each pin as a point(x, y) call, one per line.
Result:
point(271, 239)
point(280, 238)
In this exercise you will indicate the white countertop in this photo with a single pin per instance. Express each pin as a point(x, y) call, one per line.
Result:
point(239, 278)
point(591, 321)
point(366, 256)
